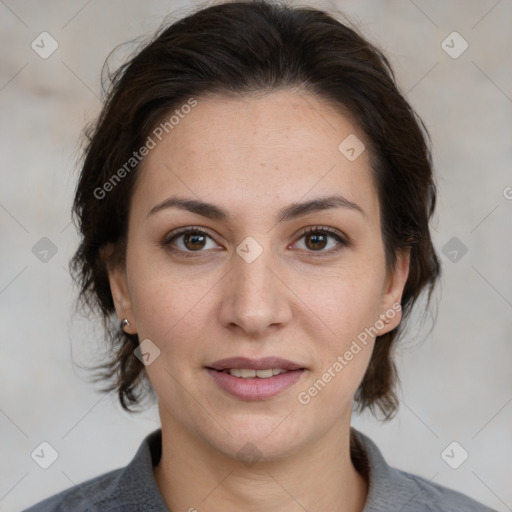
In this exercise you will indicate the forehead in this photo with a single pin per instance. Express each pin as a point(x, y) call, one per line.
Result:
point(253, 151)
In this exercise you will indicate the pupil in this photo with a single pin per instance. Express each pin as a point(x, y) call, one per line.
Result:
point(315, 238)
point(195, 244)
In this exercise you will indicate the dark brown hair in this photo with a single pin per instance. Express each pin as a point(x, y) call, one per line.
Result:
point(240, 48)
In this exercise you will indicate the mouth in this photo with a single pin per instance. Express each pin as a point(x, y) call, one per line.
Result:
point(255, 379)
point(247, 373)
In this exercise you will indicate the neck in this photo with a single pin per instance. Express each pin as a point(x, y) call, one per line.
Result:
point(320, 476)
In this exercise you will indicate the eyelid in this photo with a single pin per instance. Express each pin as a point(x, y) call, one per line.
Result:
point(331, 231)
point(166, 241)
point(342, 239)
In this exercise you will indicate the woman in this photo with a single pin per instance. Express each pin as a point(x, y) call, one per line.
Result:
point(254, 206)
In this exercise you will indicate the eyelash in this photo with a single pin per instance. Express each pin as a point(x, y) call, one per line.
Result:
point(168, 239)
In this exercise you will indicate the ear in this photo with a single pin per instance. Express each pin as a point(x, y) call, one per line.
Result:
point(391, 310)
point(119, 289)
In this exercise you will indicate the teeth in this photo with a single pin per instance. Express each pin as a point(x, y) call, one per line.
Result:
point(262, 374)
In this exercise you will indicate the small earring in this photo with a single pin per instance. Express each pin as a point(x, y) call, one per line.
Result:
point(124, 323)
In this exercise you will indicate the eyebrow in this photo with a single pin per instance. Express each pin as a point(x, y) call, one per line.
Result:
point(287, 213)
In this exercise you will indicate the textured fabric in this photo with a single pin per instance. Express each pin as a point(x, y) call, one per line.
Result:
point(134, 488)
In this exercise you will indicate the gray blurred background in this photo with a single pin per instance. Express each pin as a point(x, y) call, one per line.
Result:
point(456, 374)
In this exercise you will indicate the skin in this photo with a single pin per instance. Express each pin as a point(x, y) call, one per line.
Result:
point(252, 157)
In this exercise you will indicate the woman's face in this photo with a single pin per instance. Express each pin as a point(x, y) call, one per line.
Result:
point(251, 284)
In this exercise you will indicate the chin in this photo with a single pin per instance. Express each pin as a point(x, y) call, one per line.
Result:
point(257, 449)
point(260, 437)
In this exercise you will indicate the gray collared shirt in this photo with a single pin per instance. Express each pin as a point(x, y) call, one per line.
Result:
point(134, 488)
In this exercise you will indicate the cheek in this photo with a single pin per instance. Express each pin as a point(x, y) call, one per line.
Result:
point(170, 305)
point(343, 346)
point(344, 308)
point(345, 301)
point(164, 307)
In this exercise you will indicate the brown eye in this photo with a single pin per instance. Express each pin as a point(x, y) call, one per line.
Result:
point(316, 239)
point(188, 241)
point(194, 241)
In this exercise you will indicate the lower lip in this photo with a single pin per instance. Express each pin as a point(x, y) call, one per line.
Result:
point(255, 388)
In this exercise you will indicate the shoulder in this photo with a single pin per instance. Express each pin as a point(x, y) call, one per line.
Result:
point(92, 495)
point(421, 494)
point(391, 489)
point(128, 489)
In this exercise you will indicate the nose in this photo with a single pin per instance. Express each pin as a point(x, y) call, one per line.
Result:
point(255, 299)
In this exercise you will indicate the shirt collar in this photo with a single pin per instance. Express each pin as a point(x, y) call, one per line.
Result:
point(137, 481)
point(388, 488)
point(139, 484)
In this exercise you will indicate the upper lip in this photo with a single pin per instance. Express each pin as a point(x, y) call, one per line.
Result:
point(254, 364)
